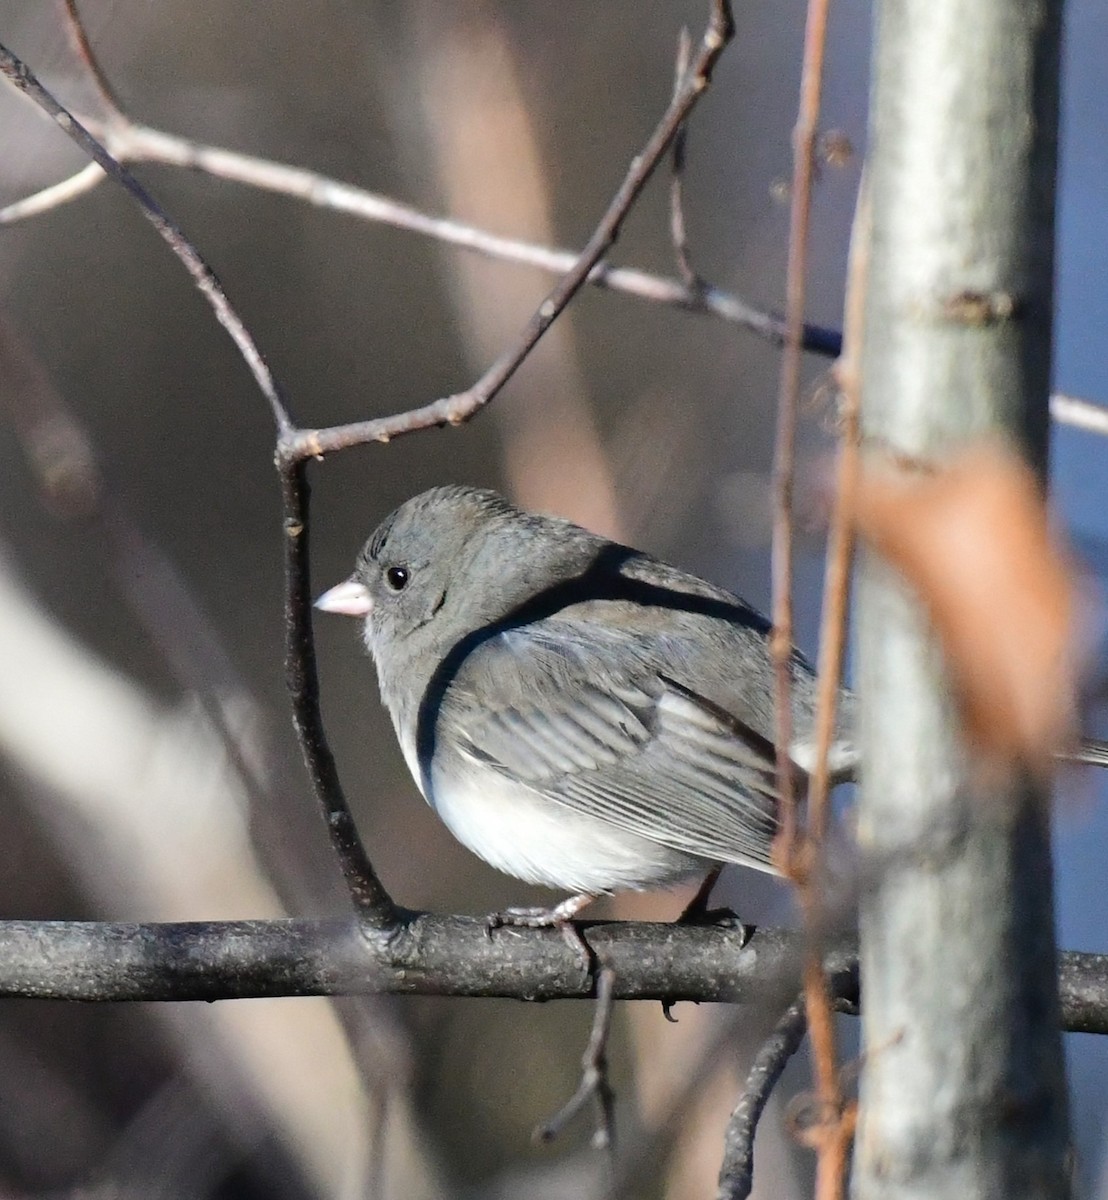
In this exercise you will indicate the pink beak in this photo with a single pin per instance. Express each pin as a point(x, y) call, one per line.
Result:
point(350, 598)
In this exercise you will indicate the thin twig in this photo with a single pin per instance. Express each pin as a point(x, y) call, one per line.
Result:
point(788, 400)
point(840, 533)
point(83, 45)
point(1081, 414)
point(370, 898)
point(461, 407)
point(594, 1084)
point(797, 853)
point(832, 1134)
point(677, 227)
point(137, 143)
point(53, 196)
point(20, 76)
point(736, 1176)
point(131, 143)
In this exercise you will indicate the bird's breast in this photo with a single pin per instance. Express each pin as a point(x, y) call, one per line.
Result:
point(539, 840)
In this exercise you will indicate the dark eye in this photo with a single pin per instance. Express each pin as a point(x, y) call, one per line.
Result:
point(397, 578)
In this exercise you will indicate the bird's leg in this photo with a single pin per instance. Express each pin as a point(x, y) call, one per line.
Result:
point(559, 917)
point(697, 911)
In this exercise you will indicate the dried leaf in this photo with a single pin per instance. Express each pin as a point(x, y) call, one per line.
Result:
point(974, 540)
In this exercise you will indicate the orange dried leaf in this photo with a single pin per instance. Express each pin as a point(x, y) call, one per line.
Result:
point(974, 541)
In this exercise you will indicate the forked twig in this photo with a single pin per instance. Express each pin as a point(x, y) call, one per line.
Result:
point(295, 445)
point(461, 407)
point(83, 45)
point(20, 76)
point(131, 142)
point(594, 1084)
point(371, 900)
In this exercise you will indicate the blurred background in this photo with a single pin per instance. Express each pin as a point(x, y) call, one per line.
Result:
point(147, 766)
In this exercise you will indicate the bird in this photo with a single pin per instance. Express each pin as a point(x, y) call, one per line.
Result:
point(580, 714)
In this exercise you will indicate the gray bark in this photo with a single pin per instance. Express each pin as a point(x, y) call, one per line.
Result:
point(963, 1093)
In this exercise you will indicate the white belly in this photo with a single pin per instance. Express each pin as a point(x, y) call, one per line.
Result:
point(540, 841)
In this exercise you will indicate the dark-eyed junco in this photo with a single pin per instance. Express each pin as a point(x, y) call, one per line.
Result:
point(580, 714)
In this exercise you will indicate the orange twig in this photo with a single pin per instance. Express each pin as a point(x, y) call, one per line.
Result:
point(834, 1136)
point(798, 853)
point(804, 134)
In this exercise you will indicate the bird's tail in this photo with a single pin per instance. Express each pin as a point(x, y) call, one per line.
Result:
point(1090, 751)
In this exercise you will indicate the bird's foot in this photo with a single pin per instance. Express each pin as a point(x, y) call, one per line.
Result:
point(559, 917)
point(725, 918)
point(697, 912)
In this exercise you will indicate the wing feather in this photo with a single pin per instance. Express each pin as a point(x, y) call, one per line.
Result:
point(615, 736)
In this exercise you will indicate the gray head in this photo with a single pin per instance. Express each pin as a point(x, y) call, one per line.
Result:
point(448, 561)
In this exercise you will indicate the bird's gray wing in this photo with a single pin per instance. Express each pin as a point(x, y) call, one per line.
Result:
point(604, 730)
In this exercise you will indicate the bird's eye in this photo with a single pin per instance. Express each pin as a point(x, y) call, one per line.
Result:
point(397, 578)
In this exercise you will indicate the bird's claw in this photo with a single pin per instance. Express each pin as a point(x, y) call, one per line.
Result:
point(559, 917)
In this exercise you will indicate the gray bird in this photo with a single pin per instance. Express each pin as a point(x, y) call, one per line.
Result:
point(579, 714)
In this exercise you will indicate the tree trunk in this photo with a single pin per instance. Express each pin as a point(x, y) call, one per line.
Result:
point(963, 1093)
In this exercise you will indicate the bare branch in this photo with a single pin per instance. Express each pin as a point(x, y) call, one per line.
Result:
point(788, 400)
point(461, 407)
point(594, 1083)
point(370, 898)
point(53, 196)
point(20, 76)
point(736, 1175)
point(133, 143)
point(137, 143)
point(432, 955)
point(427, 954)
point(1081, 414)
point(83, 46)
point(799, 853)
point(678, 231)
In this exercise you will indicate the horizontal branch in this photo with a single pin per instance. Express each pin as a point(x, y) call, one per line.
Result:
point(427, 954)
point(432, 955)
point(130, 142)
